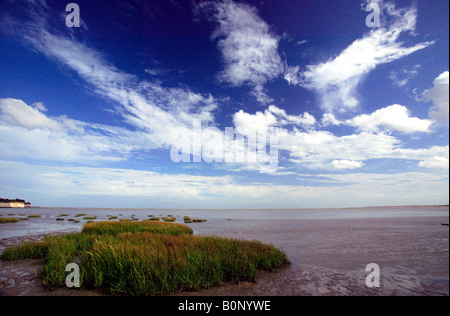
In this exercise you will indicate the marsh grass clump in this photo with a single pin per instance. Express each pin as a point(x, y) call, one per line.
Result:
point(114, 228)
point(90, 217)
point(148, 258)
point(34, 216)
point(4, 220)
point(80, 215)
point(198, 220)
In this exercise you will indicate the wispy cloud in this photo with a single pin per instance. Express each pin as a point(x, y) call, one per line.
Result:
point(31, 134)
point(336, 80)
point(149, 106)
point(249, 48)
point(401, 78)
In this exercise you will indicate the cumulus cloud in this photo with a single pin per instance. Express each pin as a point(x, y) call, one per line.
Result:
point(273, 116)
point(330, 119)
point(439, 95)
point(392, 118)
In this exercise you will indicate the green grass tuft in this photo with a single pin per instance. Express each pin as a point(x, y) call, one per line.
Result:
point(148, 258)
point(4, 220)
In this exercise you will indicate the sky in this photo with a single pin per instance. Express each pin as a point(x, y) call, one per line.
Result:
point(224, 103)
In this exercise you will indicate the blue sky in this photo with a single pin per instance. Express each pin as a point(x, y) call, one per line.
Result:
point(90, 116)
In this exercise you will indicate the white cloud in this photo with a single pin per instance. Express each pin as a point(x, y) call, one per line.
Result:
point(346, 164)
point(337, 79)
point(330, 119)
point(435, 163)
point(292, 75)
point(439, 95)
point(433, 157)
point(18, 113)
point(323, 150)
point(115, 188)
point(29, 133)
point(401, 78)
point(304, 119)
point(150, 107)
point(247, 123)
point(392, 118)
point(322, 146)
point(335, 165)
point(273, 116)
point(249, 48)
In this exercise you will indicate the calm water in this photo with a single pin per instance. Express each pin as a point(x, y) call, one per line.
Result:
point(48, 223)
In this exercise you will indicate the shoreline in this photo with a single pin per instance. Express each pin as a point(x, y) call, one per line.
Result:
point(236, 209)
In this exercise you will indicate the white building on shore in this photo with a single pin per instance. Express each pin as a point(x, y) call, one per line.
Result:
point(17, 203)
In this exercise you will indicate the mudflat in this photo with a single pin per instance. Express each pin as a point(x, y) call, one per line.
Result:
point(329, 257)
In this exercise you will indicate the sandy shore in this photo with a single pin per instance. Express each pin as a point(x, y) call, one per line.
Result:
point(328, 257)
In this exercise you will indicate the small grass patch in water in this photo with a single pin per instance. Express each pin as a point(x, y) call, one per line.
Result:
point(5, 220)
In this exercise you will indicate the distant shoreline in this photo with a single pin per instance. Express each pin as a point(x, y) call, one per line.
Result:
point(244, 209)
